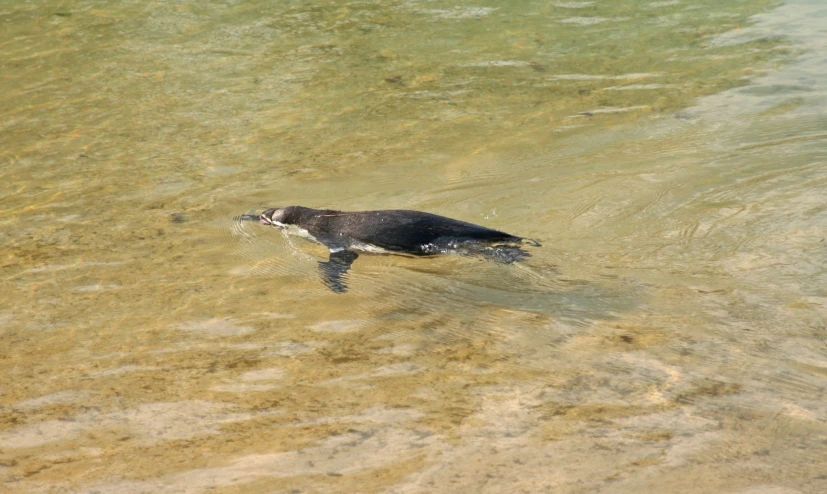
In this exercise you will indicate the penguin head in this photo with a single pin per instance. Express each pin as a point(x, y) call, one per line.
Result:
point(282, 217)
point(275, 216)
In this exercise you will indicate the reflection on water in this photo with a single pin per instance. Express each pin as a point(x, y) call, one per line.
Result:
point(670, 156)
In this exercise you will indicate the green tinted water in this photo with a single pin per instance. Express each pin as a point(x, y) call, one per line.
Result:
point(669, 336)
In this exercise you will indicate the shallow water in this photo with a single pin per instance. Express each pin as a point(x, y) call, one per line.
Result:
point(668, 336)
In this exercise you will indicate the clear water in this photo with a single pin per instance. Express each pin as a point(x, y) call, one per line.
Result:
point(669, 336)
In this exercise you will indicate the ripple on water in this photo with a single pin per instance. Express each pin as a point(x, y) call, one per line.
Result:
point(244, 387)
point(59, 398)
point(292, 349)
point(266, 250)
point(218, 327)
point(345, 454)
point(344, 326)
point(573, 5)
point(154, 422)
point(254, 381)
point(271, 374)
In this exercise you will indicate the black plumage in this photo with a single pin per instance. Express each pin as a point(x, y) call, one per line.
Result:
point(398, 231)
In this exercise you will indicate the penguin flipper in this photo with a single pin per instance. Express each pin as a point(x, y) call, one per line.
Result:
point(334, 269)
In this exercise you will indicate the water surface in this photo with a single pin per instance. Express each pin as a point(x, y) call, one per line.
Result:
point(668, 336)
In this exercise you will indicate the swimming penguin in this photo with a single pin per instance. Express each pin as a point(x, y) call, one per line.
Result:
point(400, 232)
